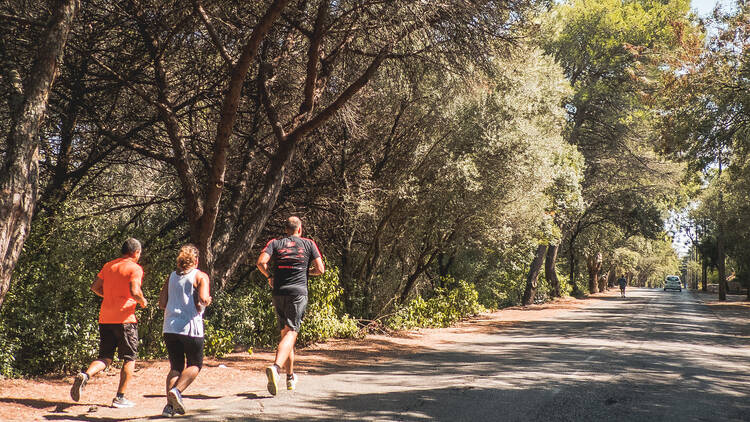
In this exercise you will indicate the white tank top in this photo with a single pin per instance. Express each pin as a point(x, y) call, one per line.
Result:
point(180, 316)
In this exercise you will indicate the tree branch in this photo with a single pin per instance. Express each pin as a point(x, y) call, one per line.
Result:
point(212, 31)
point(345, 96)
point(313, 56)
point(228, 116)
point(273, 116)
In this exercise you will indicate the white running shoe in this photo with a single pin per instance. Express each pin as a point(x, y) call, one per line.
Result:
point(291, 383)
point(174, 397)
point(78, 385)
point(122, 403)
point(272, 372)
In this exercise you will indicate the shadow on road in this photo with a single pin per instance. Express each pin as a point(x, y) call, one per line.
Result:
point(651, 357)
point(624, 360)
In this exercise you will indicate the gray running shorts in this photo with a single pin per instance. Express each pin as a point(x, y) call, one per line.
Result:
point(290, 310)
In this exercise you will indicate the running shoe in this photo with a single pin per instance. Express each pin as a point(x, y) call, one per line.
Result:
point(78, 384)
point(122, 402)
point(174, 397)
point(168, 411)
point(272, 372)
point(291, 382)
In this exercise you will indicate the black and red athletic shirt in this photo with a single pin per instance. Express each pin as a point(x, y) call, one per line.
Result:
point(291, 258)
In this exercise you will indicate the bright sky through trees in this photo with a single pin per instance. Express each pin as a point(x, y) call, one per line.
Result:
point(705, 7)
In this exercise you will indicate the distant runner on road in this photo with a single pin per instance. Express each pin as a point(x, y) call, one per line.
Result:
point(292, 256)
point(183, 297)
point(119, 283)
point(622, 281)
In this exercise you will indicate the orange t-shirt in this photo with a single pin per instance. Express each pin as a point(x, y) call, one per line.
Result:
point(118, 306)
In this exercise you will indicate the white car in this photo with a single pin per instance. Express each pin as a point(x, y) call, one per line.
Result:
point(672, 282)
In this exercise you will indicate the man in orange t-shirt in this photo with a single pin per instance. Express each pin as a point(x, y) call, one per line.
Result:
point(119, 284)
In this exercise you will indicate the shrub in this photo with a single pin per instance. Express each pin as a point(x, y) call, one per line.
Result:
point(446, 307)
point(7, 354)
point(217, 342)
point(247, 313)
point(324, 318)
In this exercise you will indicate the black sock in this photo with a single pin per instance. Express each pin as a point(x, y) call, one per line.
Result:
point(120, 395)
point(289, 376)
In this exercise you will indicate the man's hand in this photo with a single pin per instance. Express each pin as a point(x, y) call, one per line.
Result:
point(262, 265)
point(98, 287)
point(318, 268)
point(144, 303)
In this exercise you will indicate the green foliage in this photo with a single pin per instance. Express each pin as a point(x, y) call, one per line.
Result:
point(8, 350)
point(325, 317)
point(445, 307)
point(217, 341)
point(51, 316)
point(247, 313)
point(453, 164)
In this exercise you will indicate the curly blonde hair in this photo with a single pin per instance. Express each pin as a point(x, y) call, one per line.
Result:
point(187, 258)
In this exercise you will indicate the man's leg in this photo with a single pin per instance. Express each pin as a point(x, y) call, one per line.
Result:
point(107, 345)
point(290, 362)
point(97, 366)
point(284, 358)
point(128, 353)
point(285, 351)
point(126, 374)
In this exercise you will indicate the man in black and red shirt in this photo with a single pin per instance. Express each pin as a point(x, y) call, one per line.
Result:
point(292, 256)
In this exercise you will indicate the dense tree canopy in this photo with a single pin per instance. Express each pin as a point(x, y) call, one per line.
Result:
point(440, 153)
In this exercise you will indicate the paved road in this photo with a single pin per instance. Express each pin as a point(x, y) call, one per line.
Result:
point(655, 356)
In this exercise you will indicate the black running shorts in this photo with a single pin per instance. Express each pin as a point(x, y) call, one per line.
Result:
point(181, 348)
point(290, 310)
point(123, 337)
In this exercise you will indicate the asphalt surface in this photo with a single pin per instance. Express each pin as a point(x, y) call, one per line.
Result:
point(654, 356)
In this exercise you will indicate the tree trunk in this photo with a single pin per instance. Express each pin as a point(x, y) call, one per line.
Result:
point(576, 291)
point(704, 274)
point(602, 283)
point(231, 255)
point(532, 279)
point(550, 272)
point(611, 277)
point(720, 264)
point(594, 264)
point(19, 174)
point(422, 265)
point(346, 275)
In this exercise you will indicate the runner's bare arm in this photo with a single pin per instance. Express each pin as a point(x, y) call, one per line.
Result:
point(164, 295)
point(98, 287)
point(137, 293)
point(318, 267)
point(204, 288)
point(263, 267)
